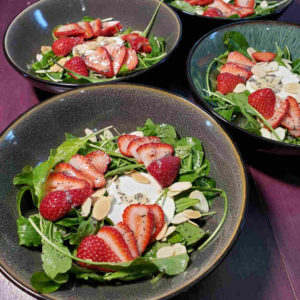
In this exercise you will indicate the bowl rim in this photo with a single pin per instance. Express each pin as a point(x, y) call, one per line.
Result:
point(233, 20)
point(206, 105)
point(18, 281)
point(28, 75)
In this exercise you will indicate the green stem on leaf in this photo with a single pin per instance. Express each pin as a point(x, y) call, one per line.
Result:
point(148, 28)
point(122, 170)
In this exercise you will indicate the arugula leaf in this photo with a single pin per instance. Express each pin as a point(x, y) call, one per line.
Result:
point(172, 265)
point(21, 192)
point(296, 66)
point(68, 222)
point(148, 28)
point(46, 61)
point(27, 235)
point(175, 238)
point(87, 19)
point(184, 203)
point(235, 41)
point(85, 228)
point(183, 6)
point(152, 249)
point(25, 177)
point(44, 284)
point(190, 176)
point(191, 233)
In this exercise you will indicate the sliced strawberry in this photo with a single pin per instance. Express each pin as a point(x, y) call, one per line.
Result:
point(139, 218)
point(87, 28)
point(243, 11)
point(118, 54)
point(292, 118)
point(114, 239)
point(71, 29)
point(95, 249)
point(131, 60)
point(240, 59)
point(132, 147)
point(100, 61)
point(76, 40)
point(99, 160)
point(226, 10)
point(77, 65)
point(263, 56)
point(226, 82)
point(245, 3)
point(129, 238)
point(236, 70)
point(110, 28)
point(137, 42)
point(279, 113)
point(78, 196)
point(199, 2)
point(150, 152)
point(69, 170)
point(213, 12)
point(124, 141)
point(165, 170)
point(62, 46)
point(63, 182)
point(84, 165)
point(96, 26)
point(159, 219)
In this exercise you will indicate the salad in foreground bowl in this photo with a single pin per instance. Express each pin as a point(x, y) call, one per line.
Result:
point(258, 91)
point(97, 50)
point(119, 207)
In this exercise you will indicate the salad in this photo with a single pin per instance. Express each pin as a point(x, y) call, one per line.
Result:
point(118, 207)
point(227, 8)
point(97, 50)
point(259, 91)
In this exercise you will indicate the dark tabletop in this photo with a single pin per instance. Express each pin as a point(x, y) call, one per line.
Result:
point(264, 263)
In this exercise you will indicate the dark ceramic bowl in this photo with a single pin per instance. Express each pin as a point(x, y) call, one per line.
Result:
point(32, 28)
point(261, 35)
point(28, 140)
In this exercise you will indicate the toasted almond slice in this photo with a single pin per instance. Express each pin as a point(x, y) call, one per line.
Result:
point(258, 71)
point(180, 186)
point(101, 207)
point(193, 223)
point(264, 4)
point(162, 232)
point(99, 193)
point(86, 207)
point(56, 68)
point(111, 180)
point(169, 231)
point(265, 133)
point(199, 10)
point(39, 57)
point(167, 251)
point(179, 218)
point(272, 66)
point(87, 132)
point(172, 194)
point(45, 49)
point(292, 88)
point(179, 249)
point(280, 132)
point(107, 134)
point(192, 214)
point(250, 51)
point(137, 133)
point(139, 177)
point(240, 88)
point(202, 206)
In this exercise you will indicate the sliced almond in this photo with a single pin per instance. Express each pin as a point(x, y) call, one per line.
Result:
point(86, 207)
point(167, 251)
point(264, 4)
point(107, 134)
point(56, 68)
point(193, 223)
point(45, 49)
point(99, 193)
point(39, 57)
point(180, 186)
point(139, 177)
point(172, 194)
point(179, 218)
point(280, 132)
point(199, 10)
point(272, 66)
point(169, 231)
point(202, 206)
point(162, 232)
point(265, 133)
point(250, 51)
point(137, 133)
point(287, 63)
point(192, 214)
point(87, 132)
point(258, 71)
point(101, 207)
point(240, 88)
point(111, 180)
point(179, 249)
point(292, 88)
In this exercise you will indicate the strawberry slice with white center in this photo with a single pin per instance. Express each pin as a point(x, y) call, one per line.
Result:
point(100, 61)
point(87, 28)
point(99, 160)
point(110, 28)
point(71, 29)
point(279, 113)
point(131, 60)
point(245, 3)
point(226, 10)
point(63, 182)
point(243, 11)
point(71, 171)
point(129, 238)
point(159, 220)
point(139, 218)
point(114, 239)
point(240, 59)
point(96, 26)
point(292, 118)
point(132, 147)
point(83, 164)
point(123, 142)
point(263, 56)
point(148, 153)
point(118, 54)
point(236, 69)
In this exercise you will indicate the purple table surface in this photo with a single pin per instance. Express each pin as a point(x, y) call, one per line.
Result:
point(265, 262)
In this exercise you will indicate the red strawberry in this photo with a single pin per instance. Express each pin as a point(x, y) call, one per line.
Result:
point(118, 54)
point(100, 61)
point(212, 12)
point(150, 152)
point(62, 46)
point(69, 170)
point(83, 164)
point(245, 3)
point(71, 29)
point(292, 118)
point(56, 204)
point(242, 11)
point(235, 70)
point(139, 218)
point(129, 238)
point(263, 101)
point(225, 9)
point(263, 56)
point(132, 147)
point(240, 59)
point(159, 219)
point(96, 26)
point(200, 2)
point(123, 142)
point(76, 40)
point(131, 60)
point(114, 239)
point(279, 113)
point(60, 181)
point(95, 249)
point(165, 170)
point(77, 65)
point(87, 28)
point(226, 82)
point(110, 28)
point(137, 42)
point(99, 160)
